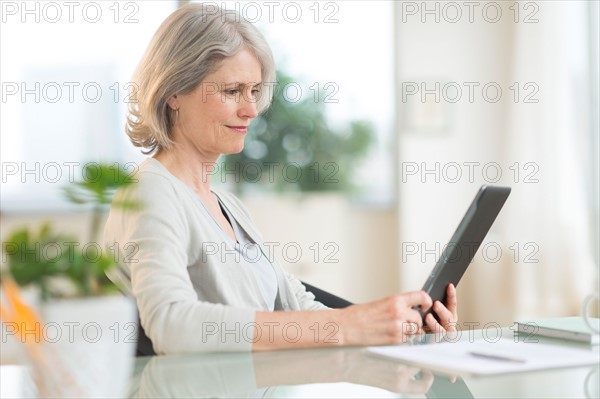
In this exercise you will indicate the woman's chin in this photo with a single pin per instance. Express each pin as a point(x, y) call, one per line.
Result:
point(235, 149)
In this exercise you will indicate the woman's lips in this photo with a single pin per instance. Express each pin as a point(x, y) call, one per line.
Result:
point(239, 129)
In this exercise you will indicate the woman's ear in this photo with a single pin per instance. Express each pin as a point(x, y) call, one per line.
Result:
point(173, 102)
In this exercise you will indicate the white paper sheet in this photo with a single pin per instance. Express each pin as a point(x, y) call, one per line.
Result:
point(481, 357)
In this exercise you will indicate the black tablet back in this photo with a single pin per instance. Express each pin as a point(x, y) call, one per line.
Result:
point(465, 241)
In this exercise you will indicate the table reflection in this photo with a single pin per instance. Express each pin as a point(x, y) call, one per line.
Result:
point(254, 374)
point(199, 376)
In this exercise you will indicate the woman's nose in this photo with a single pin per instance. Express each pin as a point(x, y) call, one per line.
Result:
point(248, 106)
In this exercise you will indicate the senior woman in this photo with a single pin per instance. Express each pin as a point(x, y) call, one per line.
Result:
point(200, 84)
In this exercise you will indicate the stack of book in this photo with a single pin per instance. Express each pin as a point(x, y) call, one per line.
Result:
point(569, 328)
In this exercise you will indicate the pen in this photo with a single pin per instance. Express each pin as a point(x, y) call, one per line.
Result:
point(496, 357)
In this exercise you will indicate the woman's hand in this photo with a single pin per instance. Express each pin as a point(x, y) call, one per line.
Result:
point(337, 365)
point(448, 315)
point(391, 320)
point(386, 374)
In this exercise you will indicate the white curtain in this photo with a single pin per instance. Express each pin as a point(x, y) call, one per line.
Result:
point(550, 207)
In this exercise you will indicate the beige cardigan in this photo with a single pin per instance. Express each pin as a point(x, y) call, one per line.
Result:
point(191, 296)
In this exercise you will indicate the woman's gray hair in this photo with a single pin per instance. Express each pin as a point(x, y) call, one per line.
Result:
point(189, 45)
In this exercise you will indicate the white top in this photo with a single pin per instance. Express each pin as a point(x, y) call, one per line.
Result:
point(251, 254)
point(191, 296)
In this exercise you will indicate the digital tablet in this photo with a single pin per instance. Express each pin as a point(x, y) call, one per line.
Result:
point(465, 241)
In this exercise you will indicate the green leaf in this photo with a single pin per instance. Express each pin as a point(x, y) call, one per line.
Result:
point(31, 255)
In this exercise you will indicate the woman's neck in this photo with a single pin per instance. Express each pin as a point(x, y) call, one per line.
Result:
point(191, 168)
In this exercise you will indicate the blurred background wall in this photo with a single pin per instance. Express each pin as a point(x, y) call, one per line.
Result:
point(449, 96)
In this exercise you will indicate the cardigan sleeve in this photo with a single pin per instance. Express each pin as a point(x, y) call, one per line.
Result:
point(306, 299)
point(155, 273)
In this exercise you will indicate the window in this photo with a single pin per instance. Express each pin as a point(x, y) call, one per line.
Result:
point(64, 83)
point(344, 50)
point(64, 72)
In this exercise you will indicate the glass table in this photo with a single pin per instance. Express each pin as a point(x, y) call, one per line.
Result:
point(341, 373)
point(335, 372)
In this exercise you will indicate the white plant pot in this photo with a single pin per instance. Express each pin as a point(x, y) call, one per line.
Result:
point(88, 348)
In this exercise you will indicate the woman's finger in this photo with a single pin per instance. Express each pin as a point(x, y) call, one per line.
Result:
point(433, 325)
point(451, 301)
point(446, 317)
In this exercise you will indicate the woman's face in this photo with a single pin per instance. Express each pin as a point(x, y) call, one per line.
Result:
point(213, 119)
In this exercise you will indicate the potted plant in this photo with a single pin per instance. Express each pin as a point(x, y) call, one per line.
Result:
point(79, 332)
